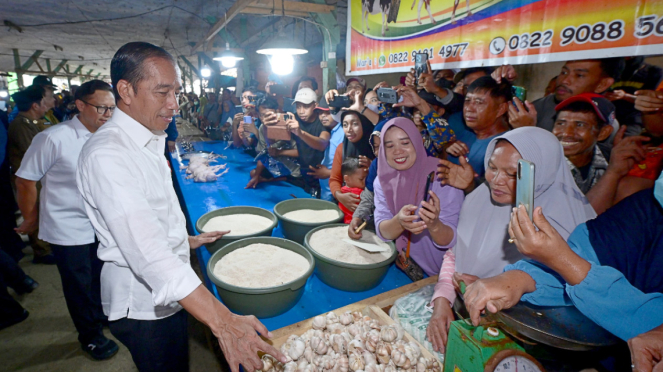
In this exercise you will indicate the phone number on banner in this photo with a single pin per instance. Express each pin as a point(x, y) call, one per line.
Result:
point(595, 33)
point(446, 51)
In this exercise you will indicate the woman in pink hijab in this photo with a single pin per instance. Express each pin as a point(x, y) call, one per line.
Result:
point(401, 213)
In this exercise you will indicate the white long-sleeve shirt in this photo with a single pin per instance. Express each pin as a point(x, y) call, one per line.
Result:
point(129, 197)
point(52, 159)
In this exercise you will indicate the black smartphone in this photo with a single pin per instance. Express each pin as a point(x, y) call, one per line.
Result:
point(420, 65)
point(340, 102)
point(387, 95)
point(280, 89)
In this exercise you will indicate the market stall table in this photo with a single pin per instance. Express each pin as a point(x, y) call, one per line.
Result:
point(199, 198)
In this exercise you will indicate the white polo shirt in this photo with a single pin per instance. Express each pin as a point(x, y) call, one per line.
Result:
point(129, 197)
point(52, 159)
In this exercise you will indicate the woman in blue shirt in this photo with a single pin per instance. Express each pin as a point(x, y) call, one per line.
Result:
point(610, 270)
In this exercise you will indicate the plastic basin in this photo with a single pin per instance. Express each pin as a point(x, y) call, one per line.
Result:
point(346, 276)
point(297, 230)
point(213, 247)
point(261, 302)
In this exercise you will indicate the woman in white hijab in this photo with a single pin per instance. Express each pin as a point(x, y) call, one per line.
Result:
point(482, 249)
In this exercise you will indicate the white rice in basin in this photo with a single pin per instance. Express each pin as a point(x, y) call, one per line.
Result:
point(260, 266)
point(329, 243)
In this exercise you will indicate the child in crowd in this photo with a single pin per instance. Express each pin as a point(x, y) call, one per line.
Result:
point(354, 178)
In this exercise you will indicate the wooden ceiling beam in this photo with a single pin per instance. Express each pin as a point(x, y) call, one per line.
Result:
point(268, 11)
point(277, 6)
point(234, 10)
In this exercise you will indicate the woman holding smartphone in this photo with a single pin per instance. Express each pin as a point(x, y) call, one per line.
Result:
point(483, 248)
point(421, 219)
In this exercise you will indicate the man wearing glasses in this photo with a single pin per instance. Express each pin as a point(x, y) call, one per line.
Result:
point(59, 212)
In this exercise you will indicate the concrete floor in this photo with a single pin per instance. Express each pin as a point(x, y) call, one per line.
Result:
point(47, 340)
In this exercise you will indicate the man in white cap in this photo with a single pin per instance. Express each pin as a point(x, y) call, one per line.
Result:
point(312, 137)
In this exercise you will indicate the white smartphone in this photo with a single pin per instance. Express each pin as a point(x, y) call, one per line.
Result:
point(525, 186)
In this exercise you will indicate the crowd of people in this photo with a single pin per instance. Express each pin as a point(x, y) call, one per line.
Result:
point(435, 172)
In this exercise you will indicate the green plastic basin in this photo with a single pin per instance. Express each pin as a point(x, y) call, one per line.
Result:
point(213, 247)
point(297, 230)
point(345, 276)
point(261, 302)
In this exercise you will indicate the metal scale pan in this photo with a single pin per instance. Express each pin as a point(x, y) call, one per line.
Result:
point(562, 327)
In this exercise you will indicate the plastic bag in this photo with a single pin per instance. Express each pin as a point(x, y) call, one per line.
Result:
point(413, 314)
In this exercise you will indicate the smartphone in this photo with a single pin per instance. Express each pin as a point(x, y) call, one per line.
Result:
point(280, 89)
point(420, 65)
point(282, 118)
point(387, 95)
point(525, 186)
point(340, 102)
point(519, 92)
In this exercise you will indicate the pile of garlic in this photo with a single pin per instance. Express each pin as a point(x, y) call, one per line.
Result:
point(350, 342)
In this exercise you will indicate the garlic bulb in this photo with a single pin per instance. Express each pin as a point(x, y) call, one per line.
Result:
point(335, 328)
point(369, 357)
point(346, 336)
point(354, 329)
point(342, 363)
point(416, 351)
point(391, 333)
point(309, 354)
point(339, 344)
point(383, 352)
point(357, 315)
point(267, 362)
point(327, 362)
point(331, 318)
point(319, 345)
point(297, 347)
point(400, 359)
point(371, 368)
point(421, 365)
point(374, 324)
point(356, 361)
point(356, 345)
point(319, 322)
point(372, 338)
point(302, 364)
point(391, 367)
point(346, 318)
point(290, 367)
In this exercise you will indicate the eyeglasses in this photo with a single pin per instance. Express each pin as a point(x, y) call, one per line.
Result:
point(101, 110)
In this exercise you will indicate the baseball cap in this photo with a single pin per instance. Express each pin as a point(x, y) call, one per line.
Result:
point(43, 81)
point(306, 96)
point(323, 105)
point(604, 109)
point(361, 81)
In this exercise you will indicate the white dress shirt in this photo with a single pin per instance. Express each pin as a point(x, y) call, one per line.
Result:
point(52, 158)
point(129, 197)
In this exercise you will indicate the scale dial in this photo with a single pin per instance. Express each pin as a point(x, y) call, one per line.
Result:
point(513, 361)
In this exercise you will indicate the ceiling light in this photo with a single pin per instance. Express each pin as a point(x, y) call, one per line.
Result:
point(282, 63)
point(206, 72)
point(228, 58)
point(3, 94)
point(282, 46)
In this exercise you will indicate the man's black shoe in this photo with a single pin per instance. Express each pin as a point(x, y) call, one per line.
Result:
point(26, 286)
point(48, 259)
point(10, 322)
point(101, 348)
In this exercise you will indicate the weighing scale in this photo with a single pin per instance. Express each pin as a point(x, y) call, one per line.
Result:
point(490, 347)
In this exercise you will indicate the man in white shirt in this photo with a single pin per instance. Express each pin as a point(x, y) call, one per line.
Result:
point(59, 213)
point(126, 183)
